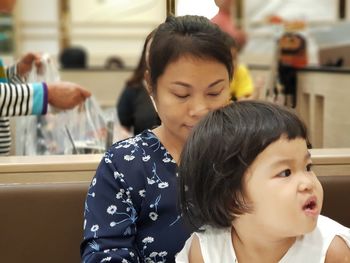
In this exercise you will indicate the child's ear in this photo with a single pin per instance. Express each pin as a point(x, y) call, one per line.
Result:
point(147, 77)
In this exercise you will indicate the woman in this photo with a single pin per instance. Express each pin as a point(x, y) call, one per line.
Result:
point(135, 110)
point(131, 210)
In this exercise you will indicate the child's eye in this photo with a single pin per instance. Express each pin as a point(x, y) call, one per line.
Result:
point(285, 173)
point(309, 167)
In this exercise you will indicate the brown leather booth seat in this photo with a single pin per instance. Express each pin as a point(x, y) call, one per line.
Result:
point(336, 201)
point(41, 222)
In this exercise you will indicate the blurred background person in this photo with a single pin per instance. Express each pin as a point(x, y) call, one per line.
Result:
point(224, 19)
point(30, 98)
point(135, 110)
point(242, 85)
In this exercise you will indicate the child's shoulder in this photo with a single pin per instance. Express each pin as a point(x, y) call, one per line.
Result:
point(314, 246)
point(327, 226)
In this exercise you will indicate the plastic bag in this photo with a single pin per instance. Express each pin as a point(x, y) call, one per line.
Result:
point(86, 128)
point(34, 133)
point(77, 131)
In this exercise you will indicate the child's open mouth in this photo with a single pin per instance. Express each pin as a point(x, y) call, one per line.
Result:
point(310, 206)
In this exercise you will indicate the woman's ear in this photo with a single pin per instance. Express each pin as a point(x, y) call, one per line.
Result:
point(149, 88)
point(147, 78)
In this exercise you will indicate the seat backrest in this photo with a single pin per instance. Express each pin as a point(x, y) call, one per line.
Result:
point(41, 222)
point(336, 198)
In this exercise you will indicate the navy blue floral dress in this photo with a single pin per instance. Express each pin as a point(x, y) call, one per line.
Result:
point(131, 212)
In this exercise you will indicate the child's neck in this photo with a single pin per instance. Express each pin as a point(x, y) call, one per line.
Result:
point(251, 245)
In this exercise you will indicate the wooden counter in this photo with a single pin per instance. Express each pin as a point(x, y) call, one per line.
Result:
point(81, 168)
point(54, 168)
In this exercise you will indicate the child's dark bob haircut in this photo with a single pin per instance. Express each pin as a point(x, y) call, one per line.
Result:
point(219, 151)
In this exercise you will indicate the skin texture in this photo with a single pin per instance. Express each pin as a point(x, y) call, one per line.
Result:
point(24, 65)
point(188, 89)
point(338, 251)
point(276, 186)
point(66, 95)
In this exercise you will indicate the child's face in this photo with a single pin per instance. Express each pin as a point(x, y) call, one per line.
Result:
point(285, 193)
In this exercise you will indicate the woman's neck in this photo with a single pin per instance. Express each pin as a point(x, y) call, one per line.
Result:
point(252, 245)
point(172, 143)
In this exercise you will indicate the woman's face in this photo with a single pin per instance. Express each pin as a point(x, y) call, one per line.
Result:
point(187, 90)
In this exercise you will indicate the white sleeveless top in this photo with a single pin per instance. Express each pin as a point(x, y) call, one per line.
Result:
point(216, 244)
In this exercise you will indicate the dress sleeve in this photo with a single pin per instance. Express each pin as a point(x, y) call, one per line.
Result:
point(110, 217)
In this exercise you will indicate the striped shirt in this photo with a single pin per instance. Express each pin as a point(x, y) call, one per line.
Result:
point(17, 100)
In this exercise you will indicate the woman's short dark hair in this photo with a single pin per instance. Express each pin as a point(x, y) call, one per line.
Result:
point(138, 75)
point(188, 35)
point(219, 151)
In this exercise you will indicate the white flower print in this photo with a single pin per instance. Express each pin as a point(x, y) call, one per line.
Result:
point(129, 157)
point(119, 195)
point(166, 160)
point(147, 240)
point(125, 261)
point(107, 160)
point(153, 254)
point(153, 216)
point(150, 181)
point(111, 209)
point(92, 194)
point(163, 253)
point(106, 259)
point(146, 158)
point(84, 224)
point(94, 245)
point(94, 229)
point(144, 144)
point(132, 254)
point(94, 181)
point(142, 193)
point(163, 185)
point(118, 175)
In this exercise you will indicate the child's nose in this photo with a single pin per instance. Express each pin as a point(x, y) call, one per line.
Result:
point(306, 182)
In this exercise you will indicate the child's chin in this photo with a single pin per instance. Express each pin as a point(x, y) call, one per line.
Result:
point(310, 225)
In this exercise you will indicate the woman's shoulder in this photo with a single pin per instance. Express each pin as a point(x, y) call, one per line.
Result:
point(144, 147)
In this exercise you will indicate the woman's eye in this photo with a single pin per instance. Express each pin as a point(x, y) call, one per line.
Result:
point(309, 167)
point(285, 173)
point(181, 96)
point(214, 94)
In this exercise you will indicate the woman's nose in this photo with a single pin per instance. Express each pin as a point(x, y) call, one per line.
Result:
point(198, 108)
